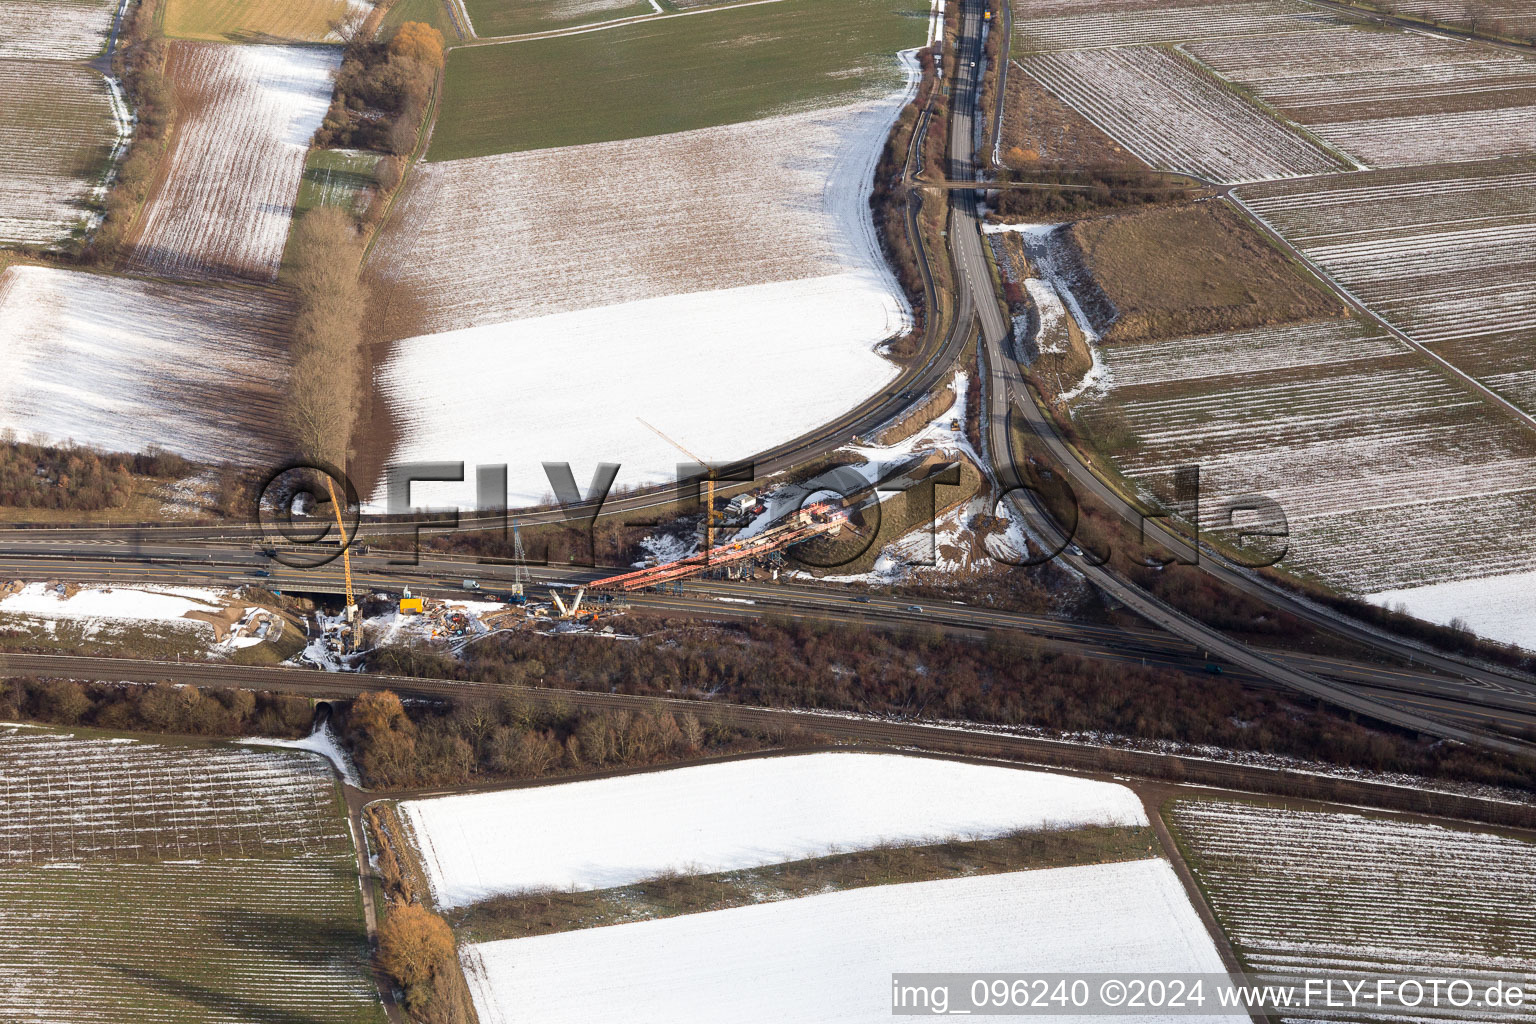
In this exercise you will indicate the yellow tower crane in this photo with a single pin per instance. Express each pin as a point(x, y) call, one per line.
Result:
point(709, 507)
point(346, 565)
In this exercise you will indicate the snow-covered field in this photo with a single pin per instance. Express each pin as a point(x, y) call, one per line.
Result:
point(1302, 892)
point(1169, 114)
point(1354, 437)
point(174, 883)
point(71, 800)
point(1435, 138)
point(60, 129)
point(62, 122)
point(123, 364)
point(609, 832)
point(1444, 255)
point(1065, 26)
point(1497, 607)
point(732, 311)
point(226, 204)
point(1309, 76)
point(829, 958)
point(1390, 99)
point(55, 29)
point(164, 604)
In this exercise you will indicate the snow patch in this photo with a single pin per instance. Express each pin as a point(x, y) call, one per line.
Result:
point(732, 332)
point(324, 742)
point(830, 957)
point(609, 832)
point(1498, 608)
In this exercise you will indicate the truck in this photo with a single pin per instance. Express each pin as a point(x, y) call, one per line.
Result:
point(744, 505)
point(471, 584)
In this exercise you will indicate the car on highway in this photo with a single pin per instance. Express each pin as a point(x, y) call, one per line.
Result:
point(260, 572)
point(915, 608)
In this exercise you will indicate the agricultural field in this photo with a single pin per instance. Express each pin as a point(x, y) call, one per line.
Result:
point(672, 75)
point(655, 216)
point(1302, 892)
point(123, 365)
point(263, 21)
point(515, 17)
point(55, 29)
point(666, 274)
point(62, 126)
point(337, 177)
point(1039, 129)
point(1512, 18)
point(161, 622)
point(236, 166)
point(176, 884)
point(1169, 114)
point(1042, 25)
point(1356, 438)
point(1191, 269)
point(612, 832)
point(829, 957)
point(1443, 255)
point(428, 12)
point(1390, 98)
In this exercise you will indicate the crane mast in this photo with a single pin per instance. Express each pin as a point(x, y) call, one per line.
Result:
point(709, 507)
point(346, 564)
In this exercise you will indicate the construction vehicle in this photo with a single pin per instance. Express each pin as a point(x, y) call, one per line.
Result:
point(574, 607)
point(744, 505)
point(709, 499)
point(518, 592)
point(412, 606)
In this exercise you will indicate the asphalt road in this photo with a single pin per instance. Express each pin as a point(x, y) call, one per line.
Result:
point(1006, 392)
point(1449, 688)
point(442, 577)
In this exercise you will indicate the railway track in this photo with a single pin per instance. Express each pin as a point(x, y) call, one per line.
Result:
point(795, 726)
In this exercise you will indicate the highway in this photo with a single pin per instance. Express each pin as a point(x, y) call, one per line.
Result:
point(1007, 394)
point(1506, 705)
point(1436, 694)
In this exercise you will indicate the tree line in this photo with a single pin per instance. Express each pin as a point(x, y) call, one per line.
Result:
point(162, 707)
point(1006, 681)
point(472, 739)
point(79, 479)
point(382, 91)
point(380, 103)
point(139, 65)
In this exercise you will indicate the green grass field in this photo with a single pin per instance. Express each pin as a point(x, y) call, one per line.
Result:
point(671, 74)
point(299, 21)
point(429, 11)
point(515, 17)
point(271, 941)
point(335, 177)
point(176, 882)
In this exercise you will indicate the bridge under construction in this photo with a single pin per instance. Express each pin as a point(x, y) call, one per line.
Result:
point(816, 520)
